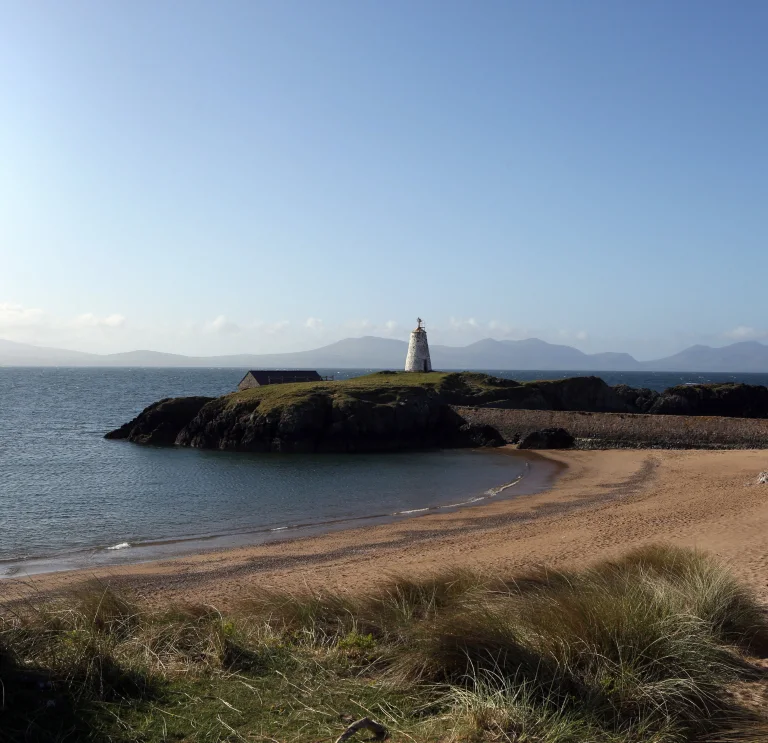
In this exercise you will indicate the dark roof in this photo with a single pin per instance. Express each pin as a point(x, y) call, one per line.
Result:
point(269, 376)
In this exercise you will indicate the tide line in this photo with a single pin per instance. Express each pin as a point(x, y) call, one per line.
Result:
point(490, 493)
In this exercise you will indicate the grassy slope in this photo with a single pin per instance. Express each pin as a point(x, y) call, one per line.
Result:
point(641, 649)
point(381, 387)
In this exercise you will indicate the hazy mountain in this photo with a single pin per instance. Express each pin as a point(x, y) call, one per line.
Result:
point(22, 354)
point(384, 353)
point(748, 356)
point(527, 354)
point(352, 353)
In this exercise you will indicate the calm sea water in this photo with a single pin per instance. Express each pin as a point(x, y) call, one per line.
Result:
point(67, 495)
point(69, 498)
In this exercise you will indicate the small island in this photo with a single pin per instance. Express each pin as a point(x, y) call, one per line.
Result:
point(391, 411)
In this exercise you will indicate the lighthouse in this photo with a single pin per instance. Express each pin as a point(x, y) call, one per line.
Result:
point(418, 359)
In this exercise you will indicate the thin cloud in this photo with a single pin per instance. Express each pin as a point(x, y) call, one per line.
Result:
point(270, 328)
point(503, 330)
point(221, 326)
point(89, 320)
point(469, 323)
point(366, 327)
point(745, 333)
point(18, 316)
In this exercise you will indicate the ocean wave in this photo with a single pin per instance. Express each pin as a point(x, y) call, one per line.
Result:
point(413, 510)
point(490, 493)
point(120, 546)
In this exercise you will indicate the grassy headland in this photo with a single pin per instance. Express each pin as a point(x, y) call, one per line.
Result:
point(389, 411)
point(383, 387)
point(657, 646)
point(378, 412)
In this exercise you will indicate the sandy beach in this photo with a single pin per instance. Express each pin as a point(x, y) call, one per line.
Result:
point(601, 504)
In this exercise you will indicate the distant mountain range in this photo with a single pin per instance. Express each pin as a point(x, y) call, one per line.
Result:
point(370, 352)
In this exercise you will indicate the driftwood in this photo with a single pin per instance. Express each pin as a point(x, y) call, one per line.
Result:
point(378, 730)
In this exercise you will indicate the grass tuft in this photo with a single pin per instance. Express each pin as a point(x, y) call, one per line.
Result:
point(657, 646)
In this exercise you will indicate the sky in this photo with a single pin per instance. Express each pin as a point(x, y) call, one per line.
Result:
point(226, 177)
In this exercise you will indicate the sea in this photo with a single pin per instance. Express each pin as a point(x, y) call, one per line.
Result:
point(71, 499)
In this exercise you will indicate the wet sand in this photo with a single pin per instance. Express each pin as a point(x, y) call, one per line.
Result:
point(602, 504)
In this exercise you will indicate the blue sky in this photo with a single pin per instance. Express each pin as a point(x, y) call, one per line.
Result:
point(211, 177)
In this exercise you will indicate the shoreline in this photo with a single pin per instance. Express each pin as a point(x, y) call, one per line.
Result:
point(538, 474)
point(601, 504)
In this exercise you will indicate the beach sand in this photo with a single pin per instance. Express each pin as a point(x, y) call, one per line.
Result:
point(602, 504)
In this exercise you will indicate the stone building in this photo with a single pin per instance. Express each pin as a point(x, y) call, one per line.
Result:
point(418, 359)
point(259, 378)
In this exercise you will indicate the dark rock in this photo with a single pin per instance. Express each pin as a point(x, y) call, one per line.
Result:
point(548, 438)
point(730, 400)
point(639, 399)
point(478, 436)
point(390, 417)
point(322, 422)
point(382, 418)
point(583, 393)
point(590, 394)
point(456, 432)
point(161, 422)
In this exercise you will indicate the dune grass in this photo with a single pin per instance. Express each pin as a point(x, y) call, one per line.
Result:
point(648, 647)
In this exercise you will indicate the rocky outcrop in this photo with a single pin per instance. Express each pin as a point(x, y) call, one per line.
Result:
point(457, 432)
point(730, 400)
point(638, 399)
point(575, 393)
point(387, 411)
point(321, 422)
point(161, 422)
point(316, 423)
point(547, 438)
point(380, 417)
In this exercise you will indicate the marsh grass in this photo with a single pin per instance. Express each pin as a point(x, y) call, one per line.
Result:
point(642, 648)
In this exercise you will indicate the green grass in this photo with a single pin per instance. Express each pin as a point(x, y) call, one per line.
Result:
point(644, 648)
point(380, 387)
point(385, 387)
point(389, 387)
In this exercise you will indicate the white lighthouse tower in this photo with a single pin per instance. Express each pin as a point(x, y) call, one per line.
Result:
point(418, 359)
